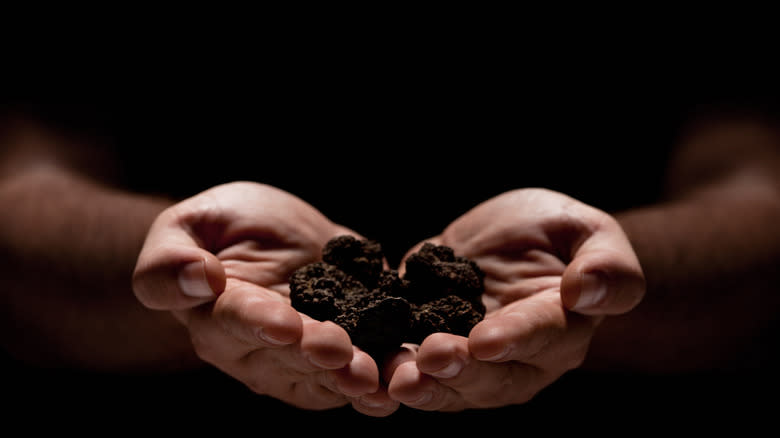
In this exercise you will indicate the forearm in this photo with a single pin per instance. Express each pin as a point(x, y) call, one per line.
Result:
point(710, 258)
point(711, 288)
point(69, 246)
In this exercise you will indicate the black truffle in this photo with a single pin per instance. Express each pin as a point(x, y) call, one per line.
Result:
point(380, 310)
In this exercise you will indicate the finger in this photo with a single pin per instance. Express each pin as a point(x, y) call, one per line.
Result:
point(414, 382)
point(311, 391)
point(466, 382)
point(289, 372)
point(325, 345)
point(407, 353)
point(177, 277)
point(406, 384)
point(244, 319)
point(369, 399)
point(536, 330)
point(321, 348)
point(604, 276)
point(173, 271)
point(359, 377)
point(443, 355)
point(378, 404)
point(415, 389)
point(257, 316)
point(325, 356)
point(249, 320)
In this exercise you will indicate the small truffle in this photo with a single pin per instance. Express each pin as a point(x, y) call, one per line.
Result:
point(379, 309)
point(362, 259)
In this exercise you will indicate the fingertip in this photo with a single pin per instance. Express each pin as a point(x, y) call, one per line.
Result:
point(377, 404)
point(412, 387)
point(584, 291)
point(203, 278)
point(488, 341)
point(439, 350)
point(602, 291)
point(246, 311)
point(359, 377)
point(280, 325)
point(327, 345)
point(405, 380)
point(193, 282)
point(407, 353)
point(177, 277)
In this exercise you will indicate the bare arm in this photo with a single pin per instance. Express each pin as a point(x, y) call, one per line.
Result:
point(710, 256)
point(68, 245)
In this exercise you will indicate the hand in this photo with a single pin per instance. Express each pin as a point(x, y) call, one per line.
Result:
point(554, 266)
point(220, 262)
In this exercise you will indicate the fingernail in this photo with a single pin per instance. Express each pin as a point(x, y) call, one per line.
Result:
point(450, 371)
point(593, 292)
point(193, 282)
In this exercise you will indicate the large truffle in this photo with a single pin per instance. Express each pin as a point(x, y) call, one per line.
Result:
point(380, 310)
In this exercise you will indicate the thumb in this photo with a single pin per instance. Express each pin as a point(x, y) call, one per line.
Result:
point(604, 277)
point(173, 277)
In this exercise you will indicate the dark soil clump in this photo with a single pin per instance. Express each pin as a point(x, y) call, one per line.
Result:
point(380, 310)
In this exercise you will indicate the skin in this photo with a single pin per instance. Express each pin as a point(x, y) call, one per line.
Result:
point(66, 286)
point(709, 252)
point(244, 240)
point(535, 247)
point(658, 265)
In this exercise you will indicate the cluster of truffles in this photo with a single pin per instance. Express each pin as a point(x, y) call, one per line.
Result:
point(380, 310)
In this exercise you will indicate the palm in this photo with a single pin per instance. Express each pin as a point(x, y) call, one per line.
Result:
point(260, 234)
point(522, 244)
point(264, 260)
point(533, 246)
point(252, 237)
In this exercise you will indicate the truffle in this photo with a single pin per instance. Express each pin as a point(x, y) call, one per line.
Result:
point(379, 309)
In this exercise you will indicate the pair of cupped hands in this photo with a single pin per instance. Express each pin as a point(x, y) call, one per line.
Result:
point(554, 267)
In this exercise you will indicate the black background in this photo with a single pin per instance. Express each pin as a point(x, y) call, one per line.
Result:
point(396, 153)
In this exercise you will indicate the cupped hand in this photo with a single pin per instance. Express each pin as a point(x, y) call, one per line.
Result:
point(554, 267)
point(220, 261)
